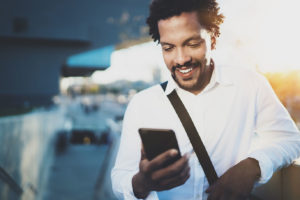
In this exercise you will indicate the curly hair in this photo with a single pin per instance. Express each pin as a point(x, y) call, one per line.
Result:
point(207, 10)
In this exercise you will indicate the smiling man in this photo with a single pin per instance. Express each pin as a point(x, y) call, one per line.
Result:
point(184, 45)
point(246, 131)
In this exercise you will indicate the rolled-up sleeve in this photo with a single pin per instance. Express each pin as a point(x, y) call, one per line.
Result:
point(278, 135)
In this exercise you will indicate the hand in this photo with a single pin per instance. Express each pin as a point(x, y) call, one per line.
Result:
point(153, 177)
point(237, 182)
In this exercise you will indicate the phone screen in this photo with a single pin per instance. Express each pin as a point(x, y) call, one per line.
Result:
point(157, 141)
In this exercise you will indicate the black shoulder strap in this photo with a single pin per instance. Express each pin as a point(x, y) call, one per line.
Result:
point(164, 85)
point(193, 135)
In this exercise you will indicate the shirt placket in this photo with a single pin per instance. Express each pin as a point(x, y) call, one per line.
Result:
point(195, 108)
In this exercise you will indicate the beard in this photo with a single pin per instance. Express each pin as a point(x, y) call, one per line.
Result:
point(194, 82)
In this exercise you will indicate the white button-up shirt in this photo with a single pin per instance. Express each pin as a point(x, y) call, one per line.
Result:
point(237, 116)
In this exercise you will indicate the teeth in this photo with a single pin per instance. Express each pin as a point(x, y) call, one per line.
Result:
point(184, 71)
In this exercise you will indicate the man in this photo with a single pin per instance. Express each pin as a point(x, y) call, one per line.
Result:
point(247, 132)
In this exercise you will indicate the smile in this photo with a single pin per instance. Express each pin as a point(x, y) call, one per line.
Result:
point(185, 71)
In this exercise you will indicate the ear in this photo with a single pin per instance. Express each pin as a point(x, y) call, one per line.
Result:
point(213, 42)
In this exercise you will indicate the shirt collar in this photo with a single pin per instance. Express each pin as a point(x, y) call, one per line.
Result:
point(218, 77)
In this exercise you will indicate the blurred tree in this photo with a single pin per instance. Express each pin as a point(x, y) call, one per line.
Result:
point(287, 87)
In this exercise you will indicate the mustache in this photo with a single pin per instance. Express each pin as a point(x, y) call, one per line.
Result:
point(187, 64)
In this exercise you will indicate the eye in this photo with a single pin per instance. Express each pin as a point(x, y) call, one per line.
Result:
point(167, 48)
point(195, 44)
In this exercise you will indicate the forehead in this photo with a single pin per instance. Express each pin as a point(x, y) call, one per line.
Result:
point(184, 24)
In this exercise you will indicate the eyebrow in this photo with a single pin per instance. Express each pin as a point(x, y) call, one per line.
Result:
point(165, 43)
point(197, 37)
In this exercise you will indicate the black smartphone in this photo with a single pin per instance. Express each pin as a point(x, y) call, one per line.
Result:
point(157, 141)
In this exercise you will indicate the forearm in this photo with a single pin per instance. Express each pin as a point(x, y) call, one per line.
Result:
point(256, 171)
point(277, 137)
point(237, 182)
point(275, 155)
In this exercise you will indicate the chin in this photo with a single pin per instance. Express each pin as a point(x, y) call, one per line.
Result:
point(187, 85)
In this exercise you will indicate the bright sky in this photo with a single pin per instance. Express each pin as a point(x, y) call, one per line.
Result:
point(134, 63)
point(261, 34)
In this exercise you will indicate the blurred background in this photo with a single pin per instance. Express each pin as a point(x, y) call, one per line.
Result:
point(69, 68)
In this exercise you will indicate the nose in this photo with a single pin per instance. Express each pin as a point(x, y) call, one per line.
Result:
point(181, 57)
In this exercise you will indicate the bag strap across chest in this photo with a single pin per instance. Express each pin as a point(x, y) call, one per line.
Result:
point(193, 135)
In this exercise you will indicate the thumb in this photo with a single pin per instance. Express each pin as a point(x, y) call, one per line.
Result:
point(210, 188)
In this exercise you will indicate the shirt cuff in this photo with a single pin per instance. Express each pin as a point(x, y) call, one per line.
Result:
point(265, 164)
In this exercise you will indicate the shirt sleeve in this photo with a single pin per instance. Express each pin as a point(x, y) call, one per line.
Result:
point(129, 154)
point(279, 138)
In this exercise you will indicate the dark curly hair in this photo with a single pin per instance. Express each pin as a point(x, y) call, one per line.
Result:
point(208, 14)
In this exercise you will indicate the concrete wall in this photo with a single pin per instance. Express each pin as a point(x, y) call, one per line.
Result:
point(98, 21)
point(37, 36)
point(284, 185)
point(30, 71)
point(26, 151)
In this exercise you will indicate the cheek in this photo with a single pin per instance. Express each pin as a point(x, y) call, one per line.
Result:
point(168, 61)
point(200, 54)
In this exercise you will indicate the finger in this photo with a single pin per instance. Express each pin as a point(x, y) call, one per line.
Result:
point(171, 170)
point(177, 178)
point(174, 181)
point(159, 160)
point(175, 184)
point(144, 166)
point(211, 188)
point(143, 154)
point(214, 192)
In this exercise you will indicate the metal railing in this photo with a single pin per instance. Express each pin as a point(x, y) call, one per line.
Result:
point(6, 178)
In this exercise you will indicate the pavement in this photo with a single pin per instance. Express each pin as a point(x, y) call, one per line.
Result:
point(82, 172)
point(74, 173)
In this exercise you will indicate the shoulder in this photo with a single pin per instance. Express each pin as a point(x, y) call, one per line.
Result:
point(150, 92)
point(243, 76)
point(148, 101)
point(236, 73)
point(147, 96)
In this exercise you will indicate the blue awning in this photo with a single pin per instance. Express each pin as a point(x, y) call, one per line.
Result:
point(97, 58)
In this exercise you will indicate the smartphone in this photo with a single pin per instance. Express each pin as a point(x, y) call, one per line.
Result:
point(157, 141)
